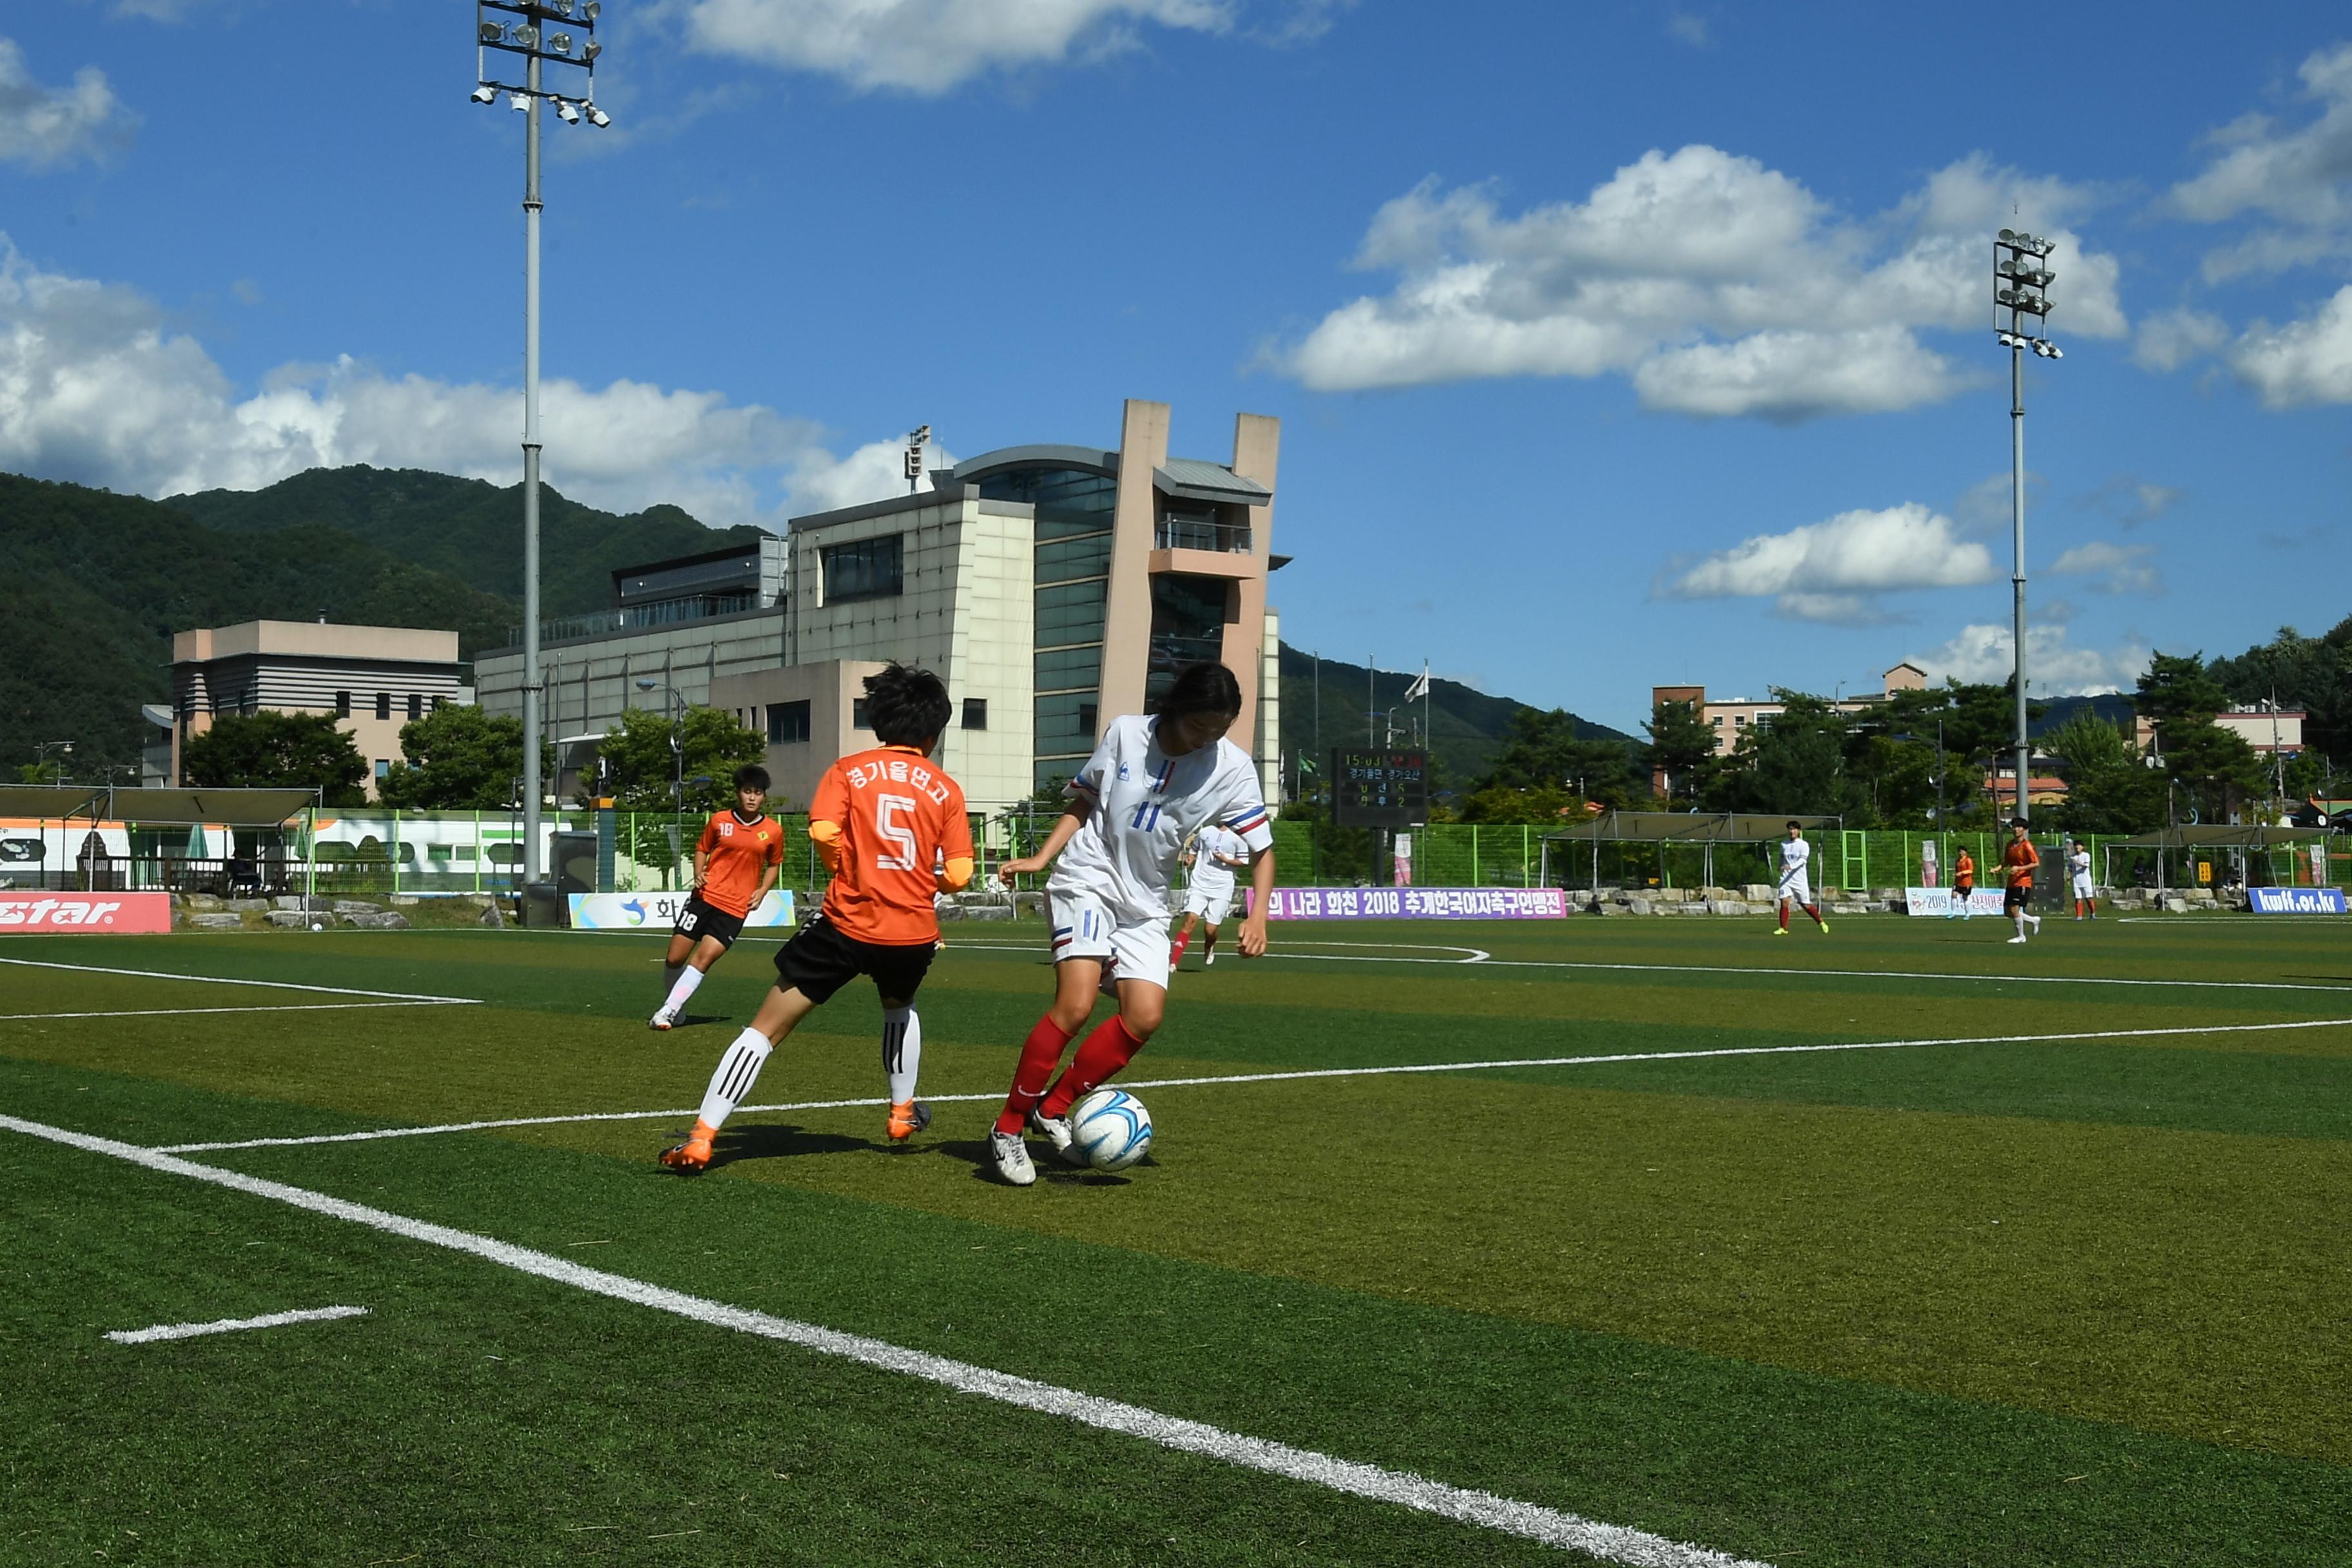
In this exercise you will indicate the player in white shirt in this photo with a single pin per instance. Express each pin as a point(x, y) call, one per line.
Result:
point(1153, 783)
point(2078, 861)
point(1796, 882)
point(1209, 897)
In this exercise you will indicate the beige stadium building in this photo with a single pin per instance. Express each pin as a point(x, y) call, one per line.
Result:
point(1052, 587)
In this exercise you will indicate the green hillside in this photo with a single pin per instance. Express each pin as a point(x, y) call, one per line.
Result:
point(98, 583)
point(1466, 726)
point(471, 529)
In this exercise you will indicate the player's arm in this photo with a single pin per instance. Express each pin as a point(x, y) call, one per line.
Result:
point(954, 850)
point(771, 870)
point(1261, 904)
point(1081, 807)
point(828, 808)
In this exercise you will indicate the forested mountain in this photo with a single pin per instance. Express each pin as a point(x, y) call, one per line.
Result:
point(1467, 728)
point(468, 529)
point(96, 584)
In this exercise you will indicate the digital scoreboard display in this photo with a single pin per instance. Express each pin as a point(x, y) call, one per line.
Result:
point(1375, 787)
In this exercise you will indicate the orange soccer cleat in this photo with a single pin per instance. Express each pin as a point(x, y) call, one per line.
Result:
point(907, 1118)
point(692, 1157)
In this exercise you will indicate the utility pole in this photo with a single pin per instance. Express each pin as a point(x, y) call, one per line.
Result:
point(2022, 278)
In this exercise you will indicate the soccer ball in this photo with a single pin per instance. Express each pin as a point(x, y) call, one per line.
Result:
point(1111, 1129)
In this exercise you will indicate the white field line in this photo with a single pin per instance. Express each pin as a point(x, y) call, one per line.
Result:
point(1287, 1075)
point(1739, 969)
point(1610, 1542)
point(232, 1325)
point(265, 984)
point(178, 1012)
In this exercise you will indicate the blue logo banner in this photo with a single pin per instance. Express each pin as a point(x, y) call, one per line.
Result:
point(2297, 900)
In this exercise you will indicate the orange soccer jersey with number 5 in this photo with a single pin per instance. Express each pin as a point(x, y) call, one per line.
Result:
point(898, 817)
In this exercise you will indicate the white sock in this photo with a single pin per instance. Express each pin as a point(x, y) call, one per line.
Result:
point(669, 975)
point(902, 1051)
point(738, 1071)
point(687, 979)
point(2021, 925)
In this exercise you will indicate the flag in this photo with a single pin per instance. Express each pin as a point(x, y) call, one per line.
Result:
point(1419, 689)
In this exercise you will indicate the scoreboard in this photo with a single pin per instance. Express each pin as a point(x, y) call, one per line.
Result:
point(1373, 787)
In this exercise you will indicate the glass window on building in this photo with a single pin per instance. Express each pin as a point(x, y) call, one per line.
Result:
point(787, 722)
point(865, 569)
point(1072, 612)
point(383, 704)
point(343, 704)
point(1065, 724)
point(857, 718)
point(1188, 625)
point(975, 712)
point(1067, 559)
point(1068, 500)
point(416, 705)
point(1069, 669)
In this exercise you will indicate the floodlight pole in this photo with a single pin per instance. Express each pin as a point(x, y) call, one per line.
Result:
point(2017, 571)
point(531, 719)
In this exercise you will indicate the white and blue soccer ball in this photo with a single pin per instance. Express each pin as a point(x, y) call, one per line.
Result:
point(1111, 1129)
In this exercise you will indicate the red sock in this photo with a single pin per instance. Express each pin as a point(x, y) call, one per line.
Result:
point(1815, 910)
point(1039, 1054)
point(1110, 1047)
point(1176, 949)
point(1784, 914)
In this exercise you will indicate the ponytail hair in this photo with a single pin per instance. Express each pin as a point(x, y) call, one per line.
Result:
point(1204, 688)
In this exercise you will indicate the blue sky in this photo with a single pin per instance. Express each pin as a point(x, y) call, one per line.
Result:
point(1614, 345)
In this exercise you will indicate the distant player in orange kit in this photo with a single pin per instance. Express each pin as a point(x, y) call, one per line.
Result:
point(735, 863)
point(892, 829)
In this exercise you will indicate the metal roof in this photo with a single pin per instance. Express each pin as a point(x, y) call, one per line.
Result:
point(1193, 478)
point(2226, 835)
point(228, 807)
point(1691, 827)
point(1199, 480)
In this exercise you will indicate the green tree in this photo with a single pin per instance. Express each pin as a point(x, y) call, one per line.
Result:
point(284, 751)
point(2109, 789)
point(644, 770)
point(1795, 762)
point(2313, 673)
point(2213, 770)
point(1541, 751)
point(1681, 749)
point(459, 758)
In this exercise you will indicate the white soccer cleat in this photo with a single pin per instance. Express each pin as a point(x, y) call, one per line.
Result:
point(2017, 942)
point(1011, 1158)
point(663, 1018)
point(1056, 1129)
point(1209, 959)
point(2035, 921)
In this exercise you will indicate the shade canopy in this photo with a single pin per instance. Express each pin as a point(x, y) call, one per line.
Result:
point(1690, 827)
point(227, 807)
point(2230, 835)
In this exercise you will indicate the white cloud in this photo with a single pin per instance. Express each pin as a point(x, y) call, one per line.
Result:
point(2305, 361)
point(2302, 176)
point(2170, 339)
point(1689, 29)
point(2131, 501)
point(2053, 666)
point(1719, 286)
point(932, 46)
point(44, 127)
point(95, 389)
point(2119, 568)
point(1832, 570)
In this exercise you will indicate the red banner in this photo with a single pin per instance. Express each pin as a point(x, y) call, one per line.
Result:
point(113, 913)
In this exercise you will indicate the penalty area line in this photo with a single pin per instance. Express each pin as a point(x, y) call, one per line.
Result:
point(232, 1325)
point(1531, 1521)
point(223, 980)
point(1285, 1076)
point(189, 1011)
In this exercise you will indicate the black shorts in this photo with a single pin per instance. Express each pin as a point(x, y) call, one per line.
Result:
point(820, 961)
point(700, 920)
point(1961, 890)
point(2014, 900)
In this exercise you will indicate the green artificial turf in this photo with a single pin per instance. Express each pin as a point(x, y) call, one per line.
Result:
point(2064, 1302)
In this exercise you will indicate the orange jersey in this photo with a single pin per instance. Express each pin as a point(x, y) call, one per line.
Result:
point(2021, 857)
point(1966, 871)
point(898, 817)
point(740, 855)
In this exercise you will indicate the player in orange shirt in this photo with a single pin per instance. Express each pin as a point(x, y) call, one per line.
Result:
point(2019, 859)
point(892, 829)
point(1964, 885)
point(735, 863)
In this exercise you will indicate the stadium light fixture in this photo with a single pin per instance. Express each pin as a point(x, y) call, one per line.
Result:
point(504, 28)
point(2022, 306)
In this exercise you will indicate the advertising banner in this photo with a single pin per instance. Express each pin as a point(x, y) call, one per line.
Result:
point(2297, 900)
point(1938, 901)
point(1418, 904)
point(114, 913)
point(659, 912)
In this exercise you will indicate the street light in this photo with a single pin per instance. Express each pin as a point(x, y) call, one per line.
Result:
point(518, 27)
point(2020, 293)
point(676, 740)
point(41, 758)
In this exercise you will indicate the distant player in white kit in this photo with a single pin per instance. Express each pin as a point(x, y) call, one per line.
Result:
point(1796, 882)
point(1153, 783)
point(2078, 861)
point(1210, 896)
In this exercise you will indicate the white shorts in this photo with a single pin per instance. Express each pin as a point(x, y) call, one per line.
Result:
point(2081, 887)
point(1083, 927)
point(1800, 888)
point(1212, 904)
